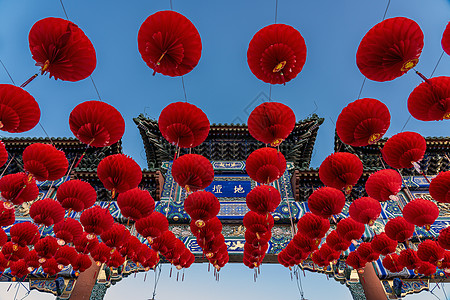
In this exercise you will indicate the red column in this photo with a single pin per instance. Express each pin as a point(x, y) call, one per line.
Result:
point(85, 283)
point(371, 284)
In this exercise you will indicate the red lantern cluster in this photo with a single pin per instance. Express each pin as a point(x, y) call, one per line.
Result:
point(256, 241)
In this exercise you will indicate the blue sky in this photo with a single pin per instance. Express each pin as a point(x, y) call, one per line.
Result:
point(223, 86)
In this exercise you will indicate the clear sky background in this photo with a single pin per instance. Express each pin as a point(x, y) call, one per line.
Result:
point(223, 87)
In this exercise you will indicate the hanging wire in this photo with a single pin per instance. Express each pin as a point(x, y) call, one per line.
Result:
point(184, 88)
point(270, 93)
point(276, 11)
point(51, 142)
point(299, 283)
point(64, 9)
point(437, 64)
point(157, 277)
point(409, 118)
point(171, 6)
point(387, 7)
point(7, 72)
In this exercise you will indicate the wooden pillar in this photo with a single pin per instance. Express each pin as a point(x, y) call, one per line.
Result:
point(85, 283)
point(372, 284)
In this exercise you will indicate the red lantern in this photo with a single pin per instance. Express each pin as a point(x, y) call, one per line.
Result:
point(193, 172)
point(7, 214)
point(24, 234)
point(119, 173)
point(67, 231)
point(14, 252)
point(96, 220)
point(421, 212)
point(404, 149)
point(265, 165)
point(115, 236)
point(130, 247)
point(326, 201)
point(271, 123)
point(439, 187)
point(115, 260)
point(276, 53)
point(46, 248)
point(19, 112)
point(445, 42)
point(263, 199)
point(165, 242)
point(444, 238)
point(363, 122)
point(62, 49)
point(3, 237)
point(86, 243)
point(431, 252)
point(336, 242)
point(392, 263)
point(390, 49)
point(136, 204)
point(3, 154)
point(32, 260)
point(76, 195)
point(47, 212)
point(426, 268)
point(399, 229)
point(65, 255)
point(383, 244)
point(201, 206)
point(257, 223)
point(96, 123)
point(183, 124)
point(101, 253)
point(169, 43)
point(44, 162)
point(153, 226)
point(349, 229)
point(81, 263)
point(367, 253)
point(212, 228)
point(409, 259)
point(18, 188)
point(341, 170)
point(356, 262)
point(384, 185)
point(304, 243)
point(318, 259)
point(19, 269)
point(51, 267)
point(430, 100)
point(365, 210)
point(313, 226)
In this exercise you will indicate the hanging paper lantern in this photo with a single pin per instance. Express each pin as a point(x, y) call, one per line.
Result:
point(65, 255)
point(445, 42)
point(14, 252)
point(383, 244)
point(76, 195)
point(265, 165)
point(304, 243)
point(183, 124)
point(169, 43)
point(257, 223)
point(399, 229)
point(365, 210)
point(44, 162)
point(271, 123)
point(421, 212)
point(3, 154)
point(47, 212)
point(367, 253)
point(96, 220)
point(62, 49)
point(3, 237)
point(136, 204)
point(341, 170)
point(18, 188)
point(409, 259)
point(153, 226)
point(430, 100)
point(96, 123)
point(313, 226)
point(326, 201)
point(115, 260)
point(67, 231)
point(201, 206)
point(164, 243)
point(86, 243)
point(439, 187)
point(205, 234)
point(81, 263)
point(115, 236)
point(193, 172)
point(24, 234)
point(384, 185)
point(263, 199)
point(363, 122)
point(355, 261)
point(392, 263)
point(390, 49)
point(46, 248)
point(7, 214)
point(328, 253)
point(51, 267)
point(101, 253)
point(130, 247)
point(119, 173)
point(404, 149)
point(276, 53)
point(19, 269)
point(19, 112)
point(426, 268)
point(444, 238)
point(32, 260)
point(349, 229)
point(148, 258)
point(431, 252)
point(336, 242)
point(445, 263)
